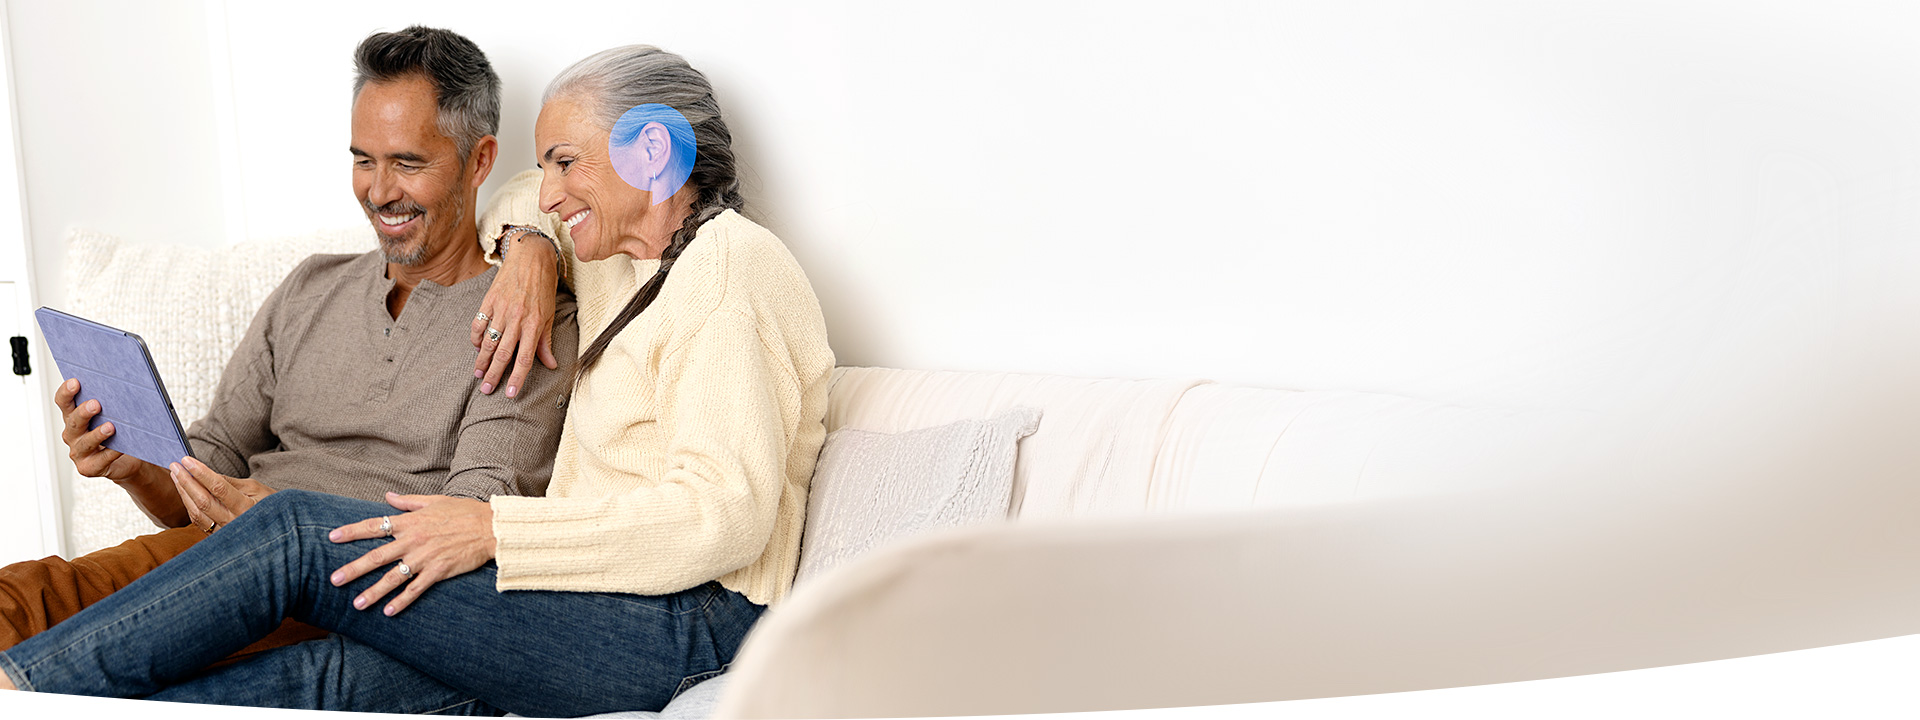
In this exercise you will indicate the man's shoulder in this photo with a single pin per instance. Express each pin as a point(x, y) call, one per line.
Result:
point(323, 272)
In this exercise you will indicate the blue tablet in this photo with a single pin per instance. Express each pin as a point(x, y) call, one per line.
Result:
point(114, 367)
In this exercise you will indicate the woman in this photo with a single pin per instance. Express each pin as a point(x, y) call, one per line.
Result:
point(672, 520)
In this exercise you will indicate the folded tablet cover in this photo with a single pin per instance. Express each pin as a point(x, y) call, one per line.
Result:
point(113, 367)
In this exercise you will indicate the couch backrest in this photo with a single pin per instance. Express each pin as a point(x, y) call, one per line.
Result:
point(1231, 447)
point(1093, 454)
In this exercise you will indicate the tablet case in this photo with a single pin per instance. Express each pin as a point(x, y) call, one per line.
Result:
point(115, 368)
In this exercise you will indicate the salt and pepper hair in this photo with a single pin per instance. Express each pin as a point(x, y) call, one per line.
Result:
point(609, 83)
point(467, 91)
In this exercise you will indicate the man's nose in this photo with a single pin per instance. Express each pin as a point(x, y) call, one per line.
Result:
point(383, 190)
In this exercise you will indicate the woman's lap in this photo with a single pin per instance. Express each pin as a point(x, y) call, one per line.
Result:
point(530, 652)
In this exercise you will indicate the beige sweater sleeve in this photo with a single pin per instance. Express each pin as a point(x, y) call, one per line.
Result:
point(727, 416)
point(518, 203)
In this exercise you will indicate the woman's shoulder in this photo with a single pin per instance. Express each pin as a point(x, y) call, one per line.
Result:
point(737, 259)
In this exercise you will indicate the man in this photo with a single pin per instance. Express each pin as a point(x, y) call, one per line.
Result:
point(352, 377)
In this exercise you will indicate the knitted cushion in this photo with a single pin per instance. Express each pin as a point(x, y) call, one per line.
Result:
point(870, 488)
point(190, 304)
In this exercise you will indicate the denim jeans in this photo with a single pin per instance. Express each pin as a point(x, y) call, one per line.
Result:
point(461, 648)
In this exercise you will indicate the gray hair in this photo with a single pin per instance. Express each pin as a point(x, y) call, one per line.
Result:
point(611, 82)
point(466, 90)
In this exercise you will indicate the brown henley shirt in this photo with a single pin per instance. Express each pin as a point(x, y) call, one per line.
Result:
point(327, 392)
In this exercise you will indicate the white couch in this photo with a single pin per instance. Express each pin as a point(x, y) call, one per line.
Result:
point(1176, 541)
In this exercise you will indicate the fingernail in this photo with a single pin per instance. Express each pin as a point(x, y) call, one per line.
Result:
point(335, 578)
point(107, 428)
point(486, 388)
point(359, 603)
point(93, 405)
point(478, 374)
point(334, 536)
point(73, 384)
point(389, 611)
point(513, 390)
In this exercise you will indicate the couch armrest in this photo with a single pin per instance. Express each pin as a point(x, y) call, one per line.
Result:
point(1297, 603)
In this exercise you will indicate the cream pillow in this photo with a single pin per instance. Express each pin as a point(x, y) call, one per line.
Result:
point(872, 488)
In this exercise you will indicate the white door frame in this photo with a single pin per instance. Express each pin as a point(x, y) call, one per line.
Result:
point(16, 264)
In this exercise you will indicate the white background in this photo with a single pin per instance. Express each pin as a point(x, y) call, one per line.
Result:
point(1481, 202)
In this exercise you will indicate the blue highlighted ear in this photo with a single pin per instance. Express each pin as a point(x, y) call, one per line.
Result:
point(652, 148)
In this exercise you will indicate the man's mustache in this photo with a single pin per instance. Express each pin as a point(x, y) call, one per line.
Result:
point(397, 207)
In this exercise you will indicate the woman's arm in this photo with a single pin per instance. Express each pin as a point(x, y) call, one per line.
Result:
point(535, 255)
point(728, 413)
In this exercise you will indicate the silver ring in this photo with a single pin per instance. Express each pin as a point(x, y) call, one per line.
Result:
point(493, 334)
point(405, 571)
point(386, 526)
point(482, 317)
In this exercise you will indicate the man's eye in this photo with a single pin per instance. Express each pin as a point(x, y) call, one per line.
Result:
point(563, 164)
point(410, 168)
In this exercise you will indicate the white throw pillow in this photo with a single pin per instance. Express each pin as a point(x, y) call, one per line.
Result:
point(871, 488)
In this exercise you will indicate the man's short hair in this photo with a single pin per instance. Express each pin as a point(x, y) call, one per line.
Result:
point(466, 89)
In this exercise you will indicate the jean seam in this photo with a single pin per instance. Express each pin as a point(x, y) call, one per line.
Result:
point(16, 673)
point(135, 613)
point(687, 683)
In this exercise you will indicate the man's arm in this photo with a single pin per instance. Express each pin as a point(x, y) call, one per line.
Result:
point(239, 423)
point(506, 446)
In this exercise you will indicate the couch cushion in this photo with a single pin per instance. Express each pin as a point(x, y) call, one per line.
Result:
point(1093, 453)
point(872, 488)
point(190, 304)
point(1234, 447)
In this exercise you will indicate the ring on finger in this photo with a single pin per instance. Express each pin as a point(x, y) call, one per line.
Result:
point(386, 526)
point(405, 569)
point(493, 334)
point(212, 526)
point(482, 317)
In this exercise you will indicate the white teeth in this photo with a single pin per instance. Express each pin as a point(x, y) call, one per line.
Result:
point(397, 219)
point(577, 217)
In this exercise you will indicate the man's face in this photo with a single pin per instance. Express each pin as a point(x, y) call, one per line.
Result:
point(408, 176)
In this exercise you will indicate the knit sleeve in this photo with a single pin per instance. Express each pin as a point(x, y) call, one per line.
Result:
point(518, 203)
point(728, 410)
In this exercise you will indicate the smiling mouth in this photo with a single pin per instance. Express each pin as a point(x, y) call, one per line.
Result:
point(396, 220)
point(577, 218)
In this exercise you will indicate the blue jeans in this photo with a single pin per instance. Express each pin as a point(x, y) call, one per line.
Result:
point(461, 648)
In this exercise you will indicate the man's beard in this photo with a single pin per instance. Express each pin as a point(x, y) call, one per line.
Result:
point(395, 248)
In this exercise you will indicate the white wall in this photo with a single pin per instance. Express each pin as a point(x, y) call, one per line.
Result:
point(1490, 202)
point(1486, 202)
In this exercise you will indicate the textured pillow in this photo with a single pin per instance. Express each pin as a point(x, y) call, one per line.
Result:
point(871, 488)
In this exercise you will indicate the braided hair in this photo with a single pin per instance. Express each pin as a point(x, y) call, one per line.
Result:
point(612, 81)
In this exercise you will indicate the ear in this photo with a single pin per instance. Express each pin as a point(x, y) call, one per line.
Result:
point(659, 148)
point(480, 162)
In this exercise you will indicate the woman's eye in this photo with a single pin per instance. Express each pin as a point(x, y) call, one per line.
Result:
point(563, 164)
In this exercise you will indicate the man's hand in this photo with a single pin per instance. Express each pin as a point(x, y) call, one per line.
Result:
point(213, 499)
point(439, 537)
point(519, 307)
point(86, 447)
point(146, 482)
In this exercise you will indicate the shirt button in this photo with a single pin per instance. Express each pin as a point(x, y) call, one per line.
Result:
point(387, 332)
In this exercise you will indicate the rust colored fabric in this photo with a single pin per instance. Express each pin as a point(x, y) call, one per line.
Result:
point(36, 594)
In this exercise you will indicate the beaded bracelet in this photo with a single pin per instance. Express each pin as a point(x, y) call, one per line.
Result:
point(516, 233)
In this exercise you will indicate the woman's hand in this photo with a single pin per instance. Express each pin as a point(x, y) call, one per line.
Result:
point(519, 307)
point(437, 538)
point(213, 499)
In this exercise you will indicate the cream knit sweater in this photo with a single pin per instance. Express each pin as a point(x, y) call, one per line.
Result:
point(688, 447)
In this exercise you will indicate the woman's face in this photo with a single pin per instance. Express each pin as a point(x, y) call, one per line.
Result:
point(603, 213)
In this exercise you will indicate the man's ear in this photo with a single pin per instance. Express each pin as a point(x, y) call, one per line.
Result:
point(481, 159)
